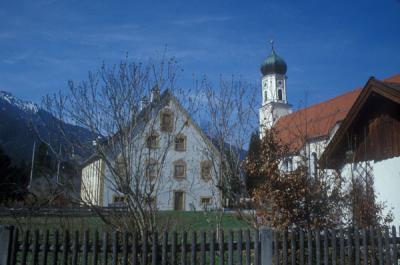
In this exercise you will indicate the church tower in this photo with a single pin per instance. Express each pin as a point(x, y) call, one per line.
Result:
point(273, 86)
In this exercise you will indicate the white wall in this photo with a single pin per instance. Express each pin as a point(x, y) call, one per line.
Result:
point(92, 183)
point(197, 150)
point(386, 183)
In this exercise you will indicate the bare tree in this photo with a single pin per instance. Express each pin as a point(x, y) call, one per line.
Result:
point(231, 117)
point(129, 153)
point(292, 190)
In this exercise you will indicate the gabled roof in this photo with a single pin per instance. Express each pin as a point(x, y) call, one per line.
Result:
point(151, 110)
point(388, 88)
point(318, 121)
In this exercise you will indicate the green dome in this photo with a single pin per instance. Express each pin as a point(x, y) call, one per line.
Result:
point(273, 65)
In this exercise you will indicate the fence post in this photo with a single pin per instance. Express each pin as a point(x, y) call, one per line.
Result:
point(5, 243)
point(266, 246)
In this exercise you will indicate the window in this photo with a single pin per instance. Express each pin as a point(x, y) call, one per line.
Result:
point(180, 169)
point(205, 201)
point(265, 95)
point(285, 166)
point(151, 169)
point(152, 141)
point(167, 121)
point(180, 143)
point(290, 164)
point(179, 200)
point(120, 168)
point(205, 168)
point(314, 165)
point(118, 200)
point(279, 94)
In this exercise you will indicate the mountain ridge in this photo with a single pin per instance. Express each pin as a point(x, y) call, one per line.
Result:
point(23, 122)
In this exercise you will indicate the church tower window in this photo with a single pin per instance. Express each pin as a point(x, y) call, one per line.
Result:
point(279, 94)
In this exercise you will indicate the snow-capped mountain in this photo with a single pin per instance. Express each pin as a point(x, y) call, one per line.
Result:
point(27, 106)
point(21, 122)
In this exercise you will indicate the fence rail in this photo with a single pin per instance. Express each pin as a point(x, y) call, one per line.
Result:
point(62, 211)
point(373, 246)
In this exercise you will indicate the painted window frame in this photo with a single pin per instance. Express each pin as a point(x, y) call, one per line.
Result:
point(206, 164)
point(153, 143)
point(180, 137)
point(166, 126)
point(176, 163)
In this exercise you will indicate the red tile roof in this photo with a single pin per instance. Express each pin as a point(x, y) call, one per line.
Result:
point(392, 79)
point(318, 120)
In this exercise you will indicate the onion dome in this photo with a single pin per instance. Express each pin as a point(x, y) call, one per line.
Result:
point(273, 64)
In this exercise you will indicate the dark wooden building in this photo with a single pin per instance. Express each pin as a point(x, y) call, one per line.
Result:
point(371, 129)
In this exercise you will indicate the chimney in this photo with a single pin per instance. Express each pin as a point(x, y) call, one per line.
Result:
point(155, 93)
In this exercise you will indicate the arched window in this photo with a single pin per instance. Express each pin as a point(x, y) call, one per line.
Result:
point(285, 165)
point(279, 94)
point(290, 164)
point(313, 164)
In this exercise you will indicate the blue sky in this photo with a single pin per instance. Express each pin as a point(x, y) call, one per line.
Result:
point(330, 46)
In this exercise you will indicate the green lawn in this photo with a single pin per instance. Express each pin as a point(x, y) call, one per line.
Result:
point(167, 219)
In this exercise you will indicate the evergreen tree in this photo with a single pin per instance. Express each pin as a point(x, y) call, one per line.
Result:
point(44, 164)
point(13, 179)
point(252, 178)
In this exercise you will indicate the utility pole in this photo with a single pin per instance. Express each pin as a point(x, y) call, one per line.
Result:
point(58, 165)
point(32, 165)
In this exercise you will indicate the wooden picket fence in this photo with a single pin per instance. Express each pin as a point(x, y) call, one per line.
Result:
point(27, 247)
point(373, 246)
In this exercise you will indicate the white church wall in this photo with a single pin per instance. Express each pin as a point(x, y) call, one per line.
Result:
point(305, 155)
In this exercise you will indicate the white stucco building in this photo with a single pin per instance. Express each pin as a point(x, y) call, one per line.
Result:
point(173, 162)
point(324, 133)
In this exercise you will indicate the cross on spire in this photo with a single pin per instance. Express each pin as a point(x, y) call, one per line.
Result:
point(272, 44)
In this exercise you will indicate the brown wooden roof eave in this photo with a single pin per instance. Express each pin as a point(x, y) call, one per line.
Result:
point(329, 158)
